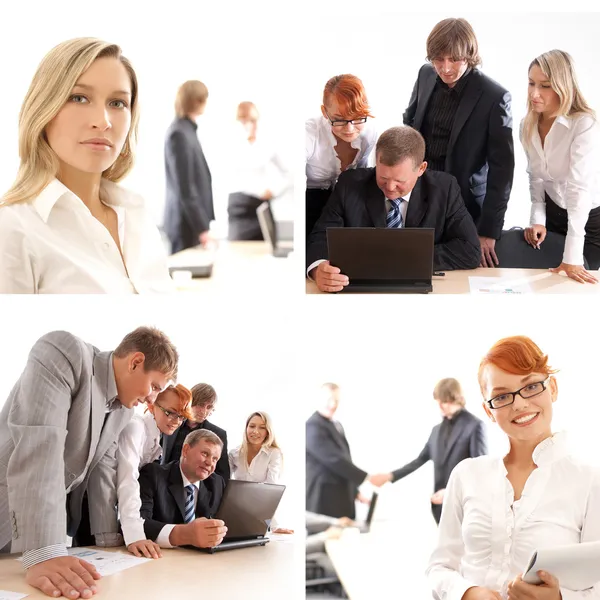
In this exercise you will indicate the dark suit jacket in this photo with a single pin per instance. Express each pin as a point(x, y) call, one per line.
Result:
point(435, 202)
point(467, 440)
point(189, 203)
point(332, 479)
point(480, 152)
point(172, 444)
point(163, 497)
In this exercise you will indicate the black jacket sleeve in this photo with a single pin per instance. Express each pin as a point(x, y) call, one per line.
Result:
point(478, 441)
point(148, 490)
point(412, 466)
point(408, 118)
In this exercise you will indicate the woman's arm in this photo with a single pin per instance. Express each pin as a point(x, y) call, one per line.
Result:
point(18, 265)
point(536, 185)
point(274, 466)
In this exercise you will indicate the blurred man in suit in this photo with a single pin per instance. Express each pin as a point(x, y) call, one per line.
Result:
point(204, 400)
point(178, 497)
point(399, 192)
point(332, 479)
point(460, 435)
point(465, 118)
point(58, 438)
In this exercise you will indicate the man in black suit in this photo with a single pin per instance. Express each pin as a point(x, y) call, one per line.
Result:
point(179, 499)
point(465, 118)
point(189, 203)
point(460, 435)
point(332, 480)
point(399, 191)
point(204, 400)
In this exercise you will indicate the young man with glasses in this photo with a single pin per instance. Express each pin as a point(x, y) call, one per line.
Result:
point(204, 400)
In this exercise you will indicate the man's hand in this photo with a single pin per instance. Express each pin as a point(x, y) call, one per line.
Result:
point(535, 235)
point(548, 590)
point(283, 530)
point(363, 499)
point(146, 548)
point(66, 576)
point(438, 497)
point(488, 252)
point(346, 522)
point(379, 479)
point(576, 272)
point(267, 195)
point(202, 533)
point(481, 593)
point(329, 278)
point(207, 240)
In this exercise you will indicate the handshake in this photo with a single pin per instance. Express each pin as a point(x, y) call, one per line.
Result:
point(379, 479)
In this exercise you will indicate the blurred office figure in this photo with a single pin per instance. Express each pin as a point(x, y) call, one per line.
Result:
point(261, 175)
point(342, 138)
point(460, 435)
point(189, 203)
point(466, 120)
point(332, 479)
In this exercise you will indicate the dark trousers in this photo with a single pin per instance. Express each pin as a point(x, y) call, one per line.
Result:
point(243, 222)
point(83, 536)
point(436, 510)
point(315, 202)
point(556, 220)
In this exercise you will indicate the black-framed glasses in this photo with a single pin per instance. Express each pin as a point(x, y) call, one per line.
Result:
point(527, 391)
point(173, 416)
point(344, 122)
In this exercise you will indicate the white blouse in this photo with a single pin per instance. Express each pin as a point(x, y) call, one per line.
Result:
point(323, 167)
point(567, 168)
point(486, 538)
point(139, 444)
point(54, 245)
point(266, 466)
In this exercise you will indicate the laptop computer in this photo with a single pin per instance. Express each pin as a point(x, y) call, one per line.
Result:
point(378, 259)
point(365, 526)
point(269, 229)
point(247, 509)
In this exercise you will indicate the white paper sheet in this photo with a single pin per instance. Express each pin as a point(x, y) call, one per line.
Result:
point(107, 563)
point(575, 566)
point(4, 595)
point(499, 285)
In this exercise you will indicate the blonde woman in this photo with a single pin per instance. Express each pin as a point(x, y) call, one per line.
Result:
point(561, 138)
point(66, 226)
point(139, 444)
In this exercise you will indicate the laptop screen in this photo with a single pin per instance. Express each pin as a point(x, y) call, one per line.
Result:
point(267, 223)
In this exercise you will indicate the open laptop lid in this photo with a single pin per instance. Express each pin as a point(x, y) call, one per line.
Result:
point(248, 507)
point(382, 254)
point(267, 223)
point(371, 509)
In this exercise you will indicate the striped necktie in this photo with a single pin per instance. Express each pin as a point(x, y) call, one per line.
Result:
point(189, 504)
point(394, 217)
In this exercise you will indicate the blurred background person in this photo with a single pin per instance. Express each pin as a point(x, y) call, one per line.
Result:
point(460, 435)
point(341, 138)
point(189, 206)
point(261, 176)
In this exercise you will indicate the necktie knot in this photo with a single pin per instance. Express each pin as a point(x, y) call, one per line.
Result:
point(189, 504)
point(394, 216)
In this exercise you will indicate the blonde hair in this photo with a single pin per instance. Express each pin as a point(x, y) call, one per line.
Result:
point(269, 442)
point(190, 96)
point(559, 68)
point(50, 88)
point(449, 390)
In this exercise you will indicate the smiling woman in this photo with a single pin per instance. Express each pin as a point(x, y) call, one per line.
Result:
point(65, 224)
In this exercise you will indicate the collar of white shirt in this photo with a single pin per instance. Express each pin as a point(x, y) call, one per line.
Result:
point(406, 197)
point(186, 481)
point(549, 450)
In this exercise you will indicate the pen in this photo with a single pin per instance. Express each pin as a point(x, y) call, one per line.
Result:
point(439, 274)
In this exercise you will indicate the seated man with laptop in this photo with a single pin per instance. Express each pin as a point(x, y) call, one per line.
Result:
point(398, 194)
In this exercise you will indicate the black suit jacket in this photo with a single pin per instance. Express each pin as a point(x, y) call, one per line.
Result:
point(189, 202)
point(163, 497)
point(332, 479)
point(480, 152)
point(435, 202)
point(172, 444)
point(467, 440)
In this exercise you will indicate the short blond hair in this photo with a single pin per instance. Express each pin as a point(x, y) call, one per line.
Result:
point(449, 391)
point(190, 96)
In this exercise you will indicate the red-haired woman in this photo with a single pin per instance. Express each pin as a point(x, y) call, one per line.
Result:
point(498, 511)
point(342, 138)
point(139, 444)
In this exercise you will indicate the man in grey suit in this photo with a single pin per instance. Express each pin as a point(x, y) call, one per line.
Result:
point(58, 437)
point(460, 435)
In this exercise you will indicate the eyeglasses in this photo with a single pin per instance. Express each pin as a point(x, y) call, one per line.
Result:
point(173, 416)
point(528, 391)
point(344, 122)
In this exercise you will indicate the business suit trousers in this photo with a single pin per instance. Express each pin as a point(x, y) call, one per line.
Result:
point(436, 510)
point(316, 200)
point(243, 221)
point(556, 220)
point(83, 536)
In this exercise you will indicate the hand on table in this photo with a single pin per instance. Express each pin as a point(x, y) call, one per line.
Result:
point(145, 548)
point(438, 497)
point(576, 272)
point(346, 522)
point(548, 590)
point(202, 533)
point(535, 235)
point(329, 278)
point(283, 530)
point(488, 252)
point(379, 479)
point(481, 593)
point(363, 499)
point(66, 576)
point(207, 240)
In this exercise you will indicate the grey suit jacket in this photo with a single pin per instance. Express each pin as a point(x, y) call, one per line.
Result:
point(55, 444)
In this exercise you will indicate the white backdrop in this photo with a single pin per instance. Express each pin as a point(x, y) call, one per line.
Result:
point(386, 50)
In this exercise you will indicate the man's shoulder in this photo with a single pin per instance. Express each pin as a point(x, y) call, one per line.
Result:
point(65, 343)
point(215, 429)
point(488, 85)
point(156, 470)
point(357, 176)
point(437, 179)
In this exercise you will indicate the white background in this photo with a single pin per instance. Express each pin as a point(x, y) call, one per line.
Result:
point(388, 48)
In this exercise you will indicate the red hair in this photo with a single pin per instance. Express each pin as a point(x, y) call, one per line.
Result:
point(349, 92)
point(185, 399)
point(517, 355)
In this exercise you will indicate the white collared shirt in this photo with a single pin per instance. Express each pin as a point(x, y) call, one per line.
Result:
point(486, 538)
point(139, 444)
point(266, 466)
point(54, 245)
point(567, 168)
point(323, 166)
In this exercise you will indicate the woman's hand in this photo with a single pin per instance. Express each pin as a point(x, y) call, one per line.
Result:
point(548, 590)
point(576, 272)
point(145, 548)
point(283, 530)
point(535, 235)
point(481, 593)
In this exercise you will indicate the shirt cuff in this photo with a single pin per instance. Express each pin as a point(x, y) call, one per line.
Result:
point(315, 264)
point(134, 532)
point(162, 539)
point(538, 214)
point(108, 540)
point(33, 557)
point(573, 254)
